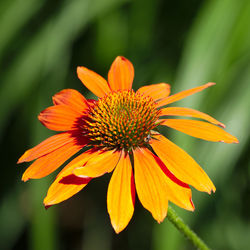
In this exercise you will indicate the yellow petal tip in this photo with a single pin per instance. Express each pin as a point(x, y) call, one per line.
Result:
point(236, 141)
point(230, 140)
point(20, 160)
point(117, 228)
point(23, 158)
point(79, 70)
point(161, 220)
point(160, 216)
point(46, 205)
point(211, 190)
point(25, 177)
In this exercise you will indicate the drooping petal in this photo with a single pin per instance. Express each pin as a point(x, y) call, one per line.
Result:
point(60, 118)
point(183, 166)
point(72, 98)
point(121, 74)
point(47, 146)
point(150, 184)
point(178, 111)
point(102, 163)
point(94, 82)
point(180, 195)
point(183, 94)
point(202, 130)
point(155, 188)
point(47, 164)
point(156, 91)
point(59, 189)
point(120, 194)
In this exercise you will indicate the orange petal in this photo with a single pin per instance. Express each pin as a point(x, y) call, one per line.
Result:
point(183, 94)
point(47, 146)
point(50, 162)
point(199, 129)
point(94, 82)
point(60, 118)
point(120, 198)
point(121, 74)
point(72, 98)
point(181, 164)
point(59, 191)
point(156, 91)
point(176, 111)
point(102, 163)
point(150, 184)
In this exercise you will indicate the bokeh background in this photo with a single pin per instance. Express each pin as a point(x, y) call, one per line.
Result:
point(184, 43)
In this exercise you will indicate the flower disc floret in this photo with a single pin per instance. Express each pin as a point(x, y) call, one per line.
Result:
point(121, 120)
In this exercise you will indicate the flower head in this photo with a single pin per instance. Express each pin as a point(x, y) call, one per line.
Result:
point(120, 131)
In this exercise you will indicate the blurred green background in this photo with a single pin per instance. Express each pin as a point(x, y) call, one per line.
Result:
point(184, 43)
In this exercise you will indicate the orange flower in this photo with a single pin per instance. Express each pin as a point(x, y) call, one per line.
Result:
point(120, 130)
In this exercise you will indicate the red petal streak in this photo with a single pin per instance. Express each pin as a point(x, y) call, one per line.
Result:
point(168, 173)
point(183, 166)
point(154, 188)
point(74, 180)
point(58, 191)
point(132, 187)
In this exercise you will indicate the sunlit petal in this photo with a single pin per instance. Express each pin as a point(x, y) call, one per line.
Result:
point(45, 165)
point(183, 94)
point(120, 194)
point(47, 146)
point(102, 163)
point(121, 74)
point(181, 164)
point(72, 98)
point(59, 191)
point(178, 111)
point(202, 130)
point(156, 188)
point(94, 82)
point(156, 91)
point(150, 184)
point(60, 118)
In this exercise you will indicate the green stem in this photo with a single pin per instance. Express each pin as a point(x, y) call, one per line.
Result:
point(188, 233)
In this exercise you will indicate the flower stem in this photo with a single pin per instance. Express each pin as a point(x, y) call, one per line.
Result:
point(188, 233)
